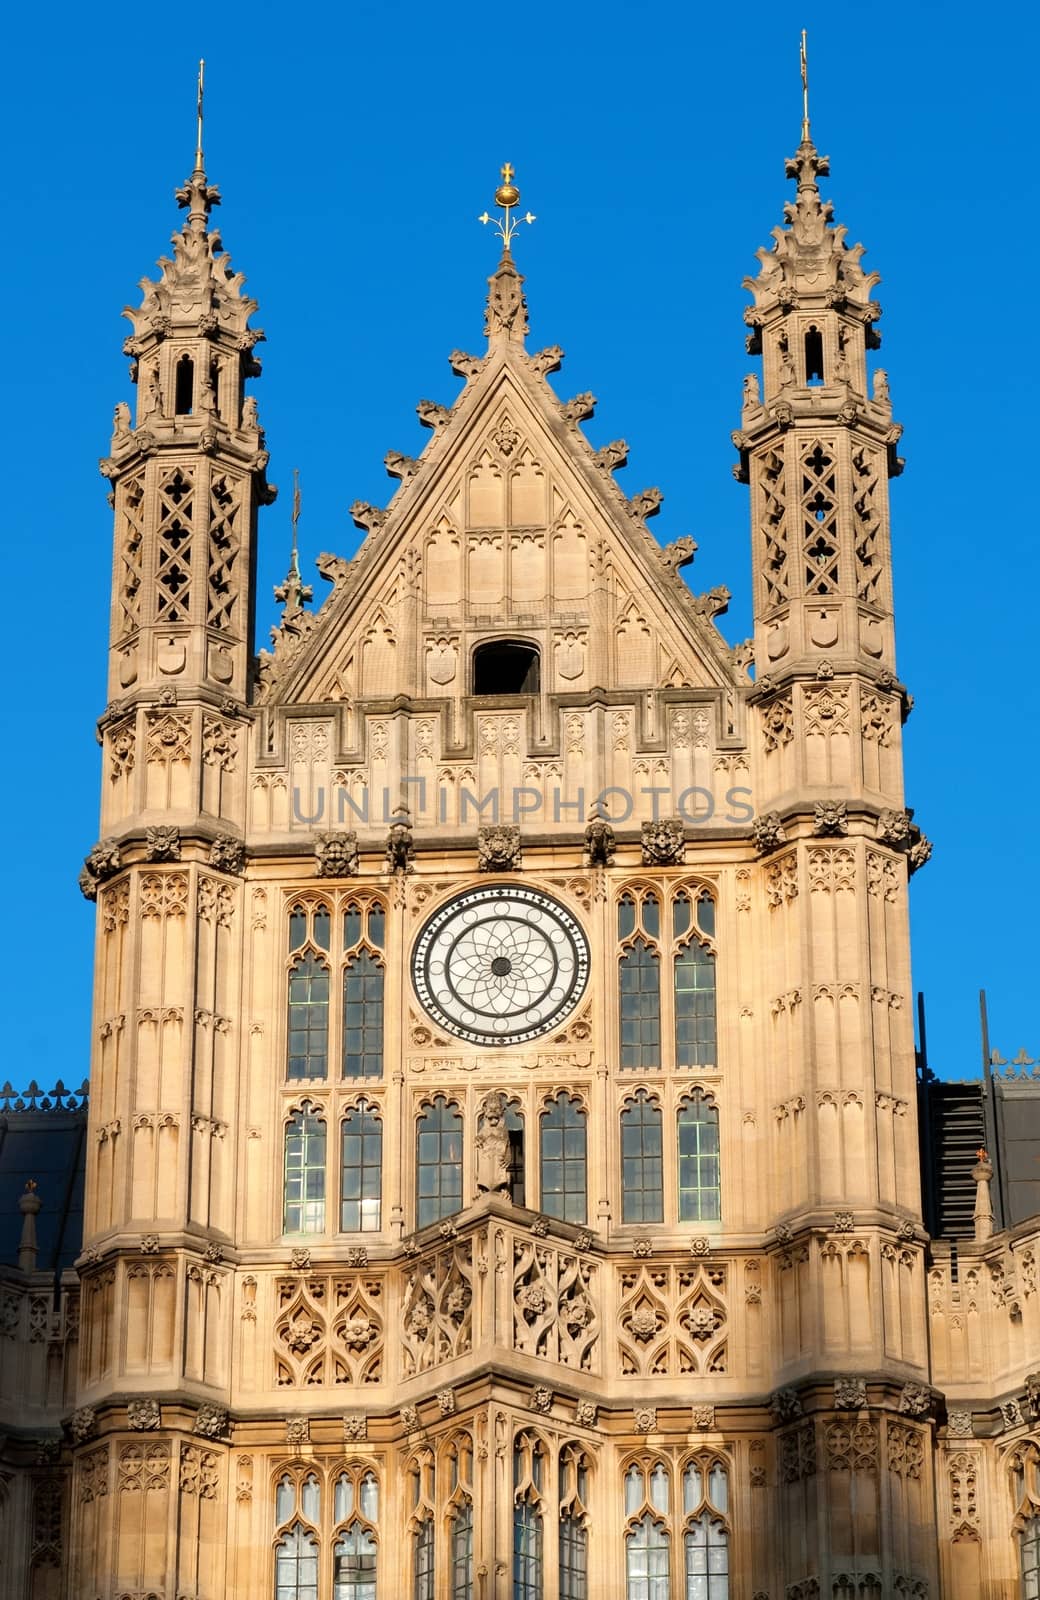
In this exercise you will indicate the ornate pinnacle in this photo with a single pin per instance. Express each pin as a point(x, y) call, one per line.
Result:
point(292, 593)
point(507, 197)
point(197, 195)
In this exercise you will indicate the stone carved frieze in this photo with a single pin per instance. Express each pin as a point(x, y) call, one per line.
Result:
point(673, 1320)
point(437, 1313)
point(554, 1305)
point(328, 1330)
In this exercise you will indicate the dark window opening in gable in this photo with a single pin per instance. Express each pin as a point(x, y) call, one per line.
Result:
point(504, 667)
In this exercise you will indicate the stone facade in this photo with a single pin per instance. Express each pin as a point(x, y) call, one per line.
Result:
point(503, 1115)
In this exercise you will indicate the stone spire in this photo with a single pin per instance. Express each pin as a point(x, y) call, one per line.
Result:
point(189, 470)
point(817, 442)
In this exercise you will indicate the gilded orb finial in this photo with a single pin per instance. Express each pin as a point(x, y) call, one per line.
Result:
point(507, 198)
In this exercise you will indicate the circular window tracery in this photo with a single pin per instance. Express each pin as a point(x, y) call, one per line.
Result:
point(500, 965)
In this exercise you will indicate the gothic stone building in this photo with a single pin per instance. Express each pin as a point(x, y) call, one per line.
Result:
point(503, 1174)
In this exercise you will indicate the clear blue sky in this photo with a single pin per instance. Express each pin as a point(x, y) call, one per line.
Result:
point(355, 147)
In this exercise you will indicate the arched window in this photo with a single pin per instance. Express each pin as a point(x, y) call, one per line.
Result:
point(423, 1552)
point(813, 356)
point(564, 1159)
point(528, 1552)
point(363, 1017)
point(700, 1192)
point(361, 1169)
point(356, 1510)
point(1029, 1556)
point(646, 1561)
point(574, 1537)
point(505, 666)
point(296, 1552)
point(642, 1167)
point(184, 387)
point(423, 1473)
point(304, 1187)
point(460, 1518)
point(647, 1549)
point(438, 1162)
point(694, 976)
point(462, 1553)
point(705, 1535)
point(308, 1017)
point(639, 979)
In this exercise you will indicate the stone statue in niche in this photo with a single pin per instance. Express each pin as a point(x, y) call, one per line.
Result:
point(153, 392)
point(492, 1144)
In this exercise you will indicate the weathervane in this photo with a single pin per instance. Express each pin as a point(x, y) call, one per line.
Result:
point(198, 113)
point(805, 90)
point(507, 195)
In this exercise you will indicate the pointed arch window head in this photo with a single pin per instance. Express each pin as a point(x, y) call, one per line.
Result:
point(438, 1162)
point(361, 1170)
point(506, 666)
point(304, 1177)
point(647, 1561)
point(705, 1533)
point(423, 1560)
point(528, 1542)
point(462, 1553)
point(574, 1537)
point(356, 1512)
point(564, 1159)
point(642, 1161)
point(700, 1191)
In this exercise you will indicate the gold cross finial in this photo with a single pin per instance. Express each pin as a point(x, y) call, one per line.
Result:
point(507, 197)
point(805, 90)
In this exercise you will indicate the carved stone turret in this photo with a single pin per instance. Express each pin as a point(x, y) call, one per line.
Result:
point(188, 476)
point(816, 446)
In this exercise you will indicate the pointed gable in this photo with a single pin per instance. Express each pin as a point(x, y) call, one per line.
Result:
point(509, 524)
